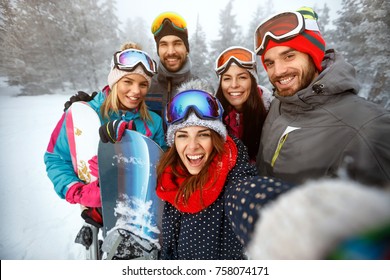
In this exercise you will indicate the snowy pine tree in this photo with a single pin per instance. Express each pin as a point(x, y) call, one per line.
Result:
point(362, 35)
point(230, 33)
point(55, 45)
point(202, 62)
point(137, 30)
point(260, 14)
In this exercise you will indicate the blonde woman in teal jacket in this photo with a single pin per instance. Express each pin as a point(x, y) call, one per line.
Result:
point(120, 105)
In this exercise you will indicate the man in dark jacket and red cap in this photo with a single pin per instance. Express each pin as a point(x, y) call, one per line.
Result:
point(317, 125)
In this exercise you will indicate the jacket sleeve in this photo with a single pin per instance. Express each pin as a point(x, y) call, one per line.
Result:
point(58, 160)
point(97, 102)
point(246, 193)
point(367, 157)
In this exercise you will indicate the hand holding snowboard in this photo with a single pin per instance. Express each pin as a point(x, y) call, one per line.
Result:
point(112, 131)
point(85, 194)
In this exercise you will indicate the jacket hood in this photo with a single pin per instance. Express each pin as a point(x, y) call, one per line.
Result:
point(338, 75)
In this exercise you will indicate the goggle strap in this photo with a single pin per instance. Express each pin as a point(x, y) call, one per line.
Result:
point(131, 68)
point(311, 24)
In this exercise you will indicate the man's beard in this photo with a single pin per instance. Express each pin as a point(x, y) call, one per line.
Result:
point(306, 79)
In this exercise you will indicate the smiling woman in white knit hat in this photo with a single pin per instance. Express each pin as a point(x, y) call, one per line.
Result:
point(207, 182)
point(120, 105)
point(129, 81)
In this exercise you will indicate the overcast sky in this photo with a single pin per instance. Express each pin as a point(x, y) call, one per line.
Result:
point(208, 10)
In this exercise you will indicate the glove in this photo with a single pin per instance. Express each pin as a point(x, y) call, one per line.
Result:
point(85, 194)
point(112, 131)
point(93, 216)
point(80, 96)
point(93, 166)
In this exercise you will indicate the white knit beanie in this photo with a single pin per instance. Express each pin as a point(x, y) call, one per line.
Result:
point(194, 120)
point(115, 75)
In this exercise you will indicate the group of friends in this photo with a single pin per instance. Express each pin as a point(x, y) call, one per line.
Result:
point(233, 155)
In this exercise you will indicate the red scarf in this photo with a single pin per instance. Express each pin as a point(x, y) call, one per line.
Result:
point(167, 186)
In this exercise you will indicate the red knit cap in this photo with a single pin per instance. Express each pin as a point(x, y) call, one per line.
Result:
point(310, 42)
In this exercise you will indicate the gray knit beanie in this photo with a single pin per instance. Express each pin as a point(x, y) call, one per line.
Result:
point(194, 120)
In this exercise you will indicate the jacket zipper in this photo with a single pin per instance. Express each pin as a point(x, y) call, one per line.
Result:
point(280, 145)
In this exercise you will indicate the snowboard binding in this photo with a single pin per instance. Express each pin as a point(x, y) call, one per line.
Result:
point(88, 234)
point(121, 244)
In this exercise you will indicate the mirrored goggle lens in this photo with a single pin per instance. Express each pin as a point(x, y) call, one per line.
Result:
point(203, 103)
point(176, 20)
point(130, 59)
point(279, 27)
point(242, 56)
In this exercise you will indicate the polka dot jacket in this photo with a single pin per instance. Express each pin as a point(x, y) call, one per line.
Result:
point(222, 230)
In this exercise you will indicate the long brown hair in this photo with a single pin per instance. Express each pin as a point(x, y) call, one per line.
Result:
point(191, 182)
point(112, 103)
point(254, 114)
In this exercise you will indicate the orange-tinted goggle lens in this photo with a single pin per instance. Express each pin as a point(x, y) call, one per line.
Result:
point(244, 57)
point(240, 54)
point(176, 20)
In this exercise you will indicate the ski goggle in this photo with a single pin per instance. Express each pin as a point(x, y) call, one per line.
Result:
point(201, 102)
point(280, 28)
point(177, 22)
point(129, 59)
point(241, 56)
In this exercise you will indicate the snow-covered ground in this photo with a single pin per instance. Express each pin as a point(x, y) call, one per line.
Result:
point(35, 223)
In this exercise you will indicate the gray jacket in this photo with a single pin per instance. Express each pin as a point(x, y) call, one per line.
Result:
point(325, 130)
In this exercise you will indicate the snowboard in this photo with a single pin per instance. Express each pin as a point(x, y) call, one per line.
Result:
point(132, 212)
point(82, 128)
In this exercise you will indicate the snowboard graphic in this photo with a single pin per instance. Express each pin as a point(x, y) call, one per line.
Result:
point(132, 212)
point(82, 128)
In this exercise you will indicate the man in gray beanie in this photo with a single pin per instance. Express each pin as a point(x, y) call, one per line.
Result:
point(171, 35)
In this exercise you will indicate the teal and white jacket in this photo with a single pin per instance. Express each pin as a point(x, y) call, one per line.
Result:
point(57, 157)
